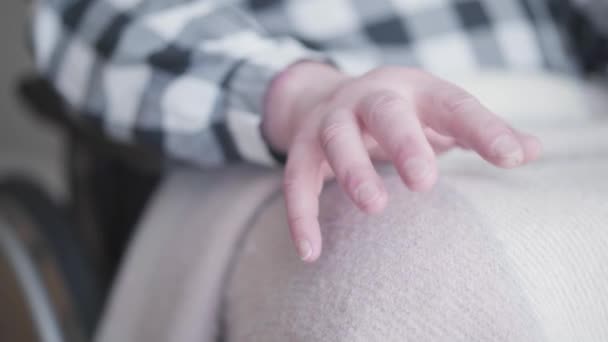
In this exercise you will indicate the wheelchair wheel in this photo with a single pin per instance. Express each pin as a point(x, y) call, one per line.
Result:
point(48, 291)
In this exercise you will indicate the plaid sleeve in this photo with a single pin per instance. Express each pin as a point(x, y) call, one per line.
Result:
point(596, 11)
point(586, 29)
point(185, 77)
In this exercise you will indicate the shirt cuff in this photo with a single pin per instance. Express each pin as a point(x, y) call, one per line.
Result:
point(246, 96)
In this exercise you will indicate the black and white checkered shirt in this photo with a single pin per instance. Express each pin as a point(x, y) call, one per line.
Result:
point(189, 76)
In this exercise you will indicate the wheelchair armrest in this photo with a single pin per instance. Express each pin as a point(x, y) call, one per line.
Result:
point(42, 98)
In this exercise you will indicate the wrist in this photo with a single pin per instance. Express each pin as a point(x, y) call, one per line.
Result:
point(292, 95)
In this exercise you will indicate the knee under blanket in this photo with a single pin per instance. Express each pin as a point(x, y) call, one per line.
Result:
point(488, 255)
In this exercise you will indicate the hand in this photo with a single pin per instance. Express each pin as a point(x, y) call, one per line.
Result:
point(333, 125)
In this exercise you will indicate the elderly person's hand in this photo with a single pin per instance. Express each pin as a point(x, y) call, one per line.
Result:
point(334, 125)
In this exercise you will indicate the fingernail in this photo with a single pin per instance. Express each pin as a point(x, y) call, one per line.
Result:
point(367, 192)
point(417, 169)
point(304, 249)
point(508, 149)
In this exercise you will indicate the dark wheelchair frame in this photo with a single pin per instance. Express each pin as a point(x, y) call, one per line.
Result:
point(58, 260)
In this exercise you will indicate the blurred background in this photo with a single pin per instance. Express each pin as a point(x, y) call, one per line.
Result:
point(27, 145)
point(30, 148)
point(56, 189)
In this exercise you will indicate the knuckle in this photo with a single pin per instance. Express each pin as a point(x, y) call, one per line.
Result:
point(332, 131)
point(469, 118)
point(404, 149)
point(380, 103)
point(353, 177)
point(460, 107)
point(385, 101)
point(491, 123)
point(461, 103)
point(290, 179)
point(296, 220)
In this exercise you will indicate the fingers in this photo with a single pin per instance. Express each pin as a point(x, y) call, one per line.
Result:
point(375, 151)
point(531, 145)
point(302, 182)
point(341, 139)
point(393, 123)
point(451, 111)
point(440, 143)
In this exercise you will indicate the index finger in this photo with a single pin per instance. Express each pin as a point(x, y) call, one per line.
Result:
point(452, 111)
point(301, 185)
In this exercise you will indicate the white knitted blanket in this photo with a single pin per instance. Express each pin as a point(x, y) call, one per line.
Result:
point(489, 255)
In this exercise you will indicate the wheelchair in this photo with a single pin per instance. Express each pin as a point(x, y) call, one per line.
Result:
point(58, 260)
